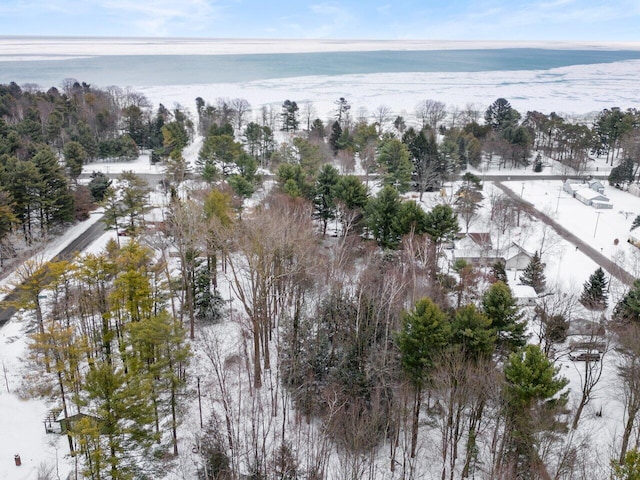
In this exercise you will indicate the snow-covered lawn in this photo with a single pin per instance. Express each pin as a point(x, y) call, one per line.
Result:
point(598, 228)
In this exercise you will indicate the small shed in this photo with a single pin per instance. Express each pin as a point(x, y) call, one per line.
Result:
point(67, 424)
point(524, 295)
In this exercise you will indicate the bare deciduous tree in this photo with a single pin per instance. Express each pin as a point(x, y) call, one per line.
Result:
point(272, 249)
point(241, 108)
point(430, 113)
point(382, 116)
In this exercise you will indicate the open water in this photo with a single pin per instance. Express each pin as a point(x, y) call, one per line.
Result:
point(160, 70)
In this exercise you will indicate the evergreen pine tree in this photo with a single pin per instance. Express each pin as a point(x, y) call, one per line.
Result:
point(442, 223)
point(636, 223)
point(498, 272)
point(500, 307)
point(594, 293)
point(411, 218)
point(425, 332)
point(395, 164)
point(55, 199)
point(533, 275)
point(628, 309)
point(334, 138)
point(381, 213)
point(531, 390)
point(473, 332)
point(629, 468)
point(74, 156)
point(324, 200)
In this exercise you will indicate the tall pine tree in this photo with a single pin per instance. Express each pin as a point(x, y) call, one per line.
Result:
point(324, 200)
point(425, 332)
point(500, 307)
point(594, 294)
point(533, 396)
point(533, 275)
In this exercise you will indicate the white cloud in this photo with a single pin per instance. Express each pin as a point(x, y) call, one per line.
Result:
point(162, 17)
point(339, 21)
point(131, 17)
point(536, 20)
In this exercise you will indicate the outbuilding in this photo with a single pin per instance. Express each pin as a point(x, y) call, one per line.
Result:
point(588, 196)
point(525, 295)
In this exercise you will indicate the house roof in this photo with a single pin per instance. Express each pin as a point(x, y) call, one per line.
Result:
point(476, 253)
point(523, 291)
point(573, 185)
point(597, 201)
point(73, 416)
point(482, 239)
point(589, 194)
point(514, 250)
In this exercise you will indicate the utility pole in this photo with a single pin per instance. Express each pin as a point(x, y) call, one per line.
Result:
point(596, 229)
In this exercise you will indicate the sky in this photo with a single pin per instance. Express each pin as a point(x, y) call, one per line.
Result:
point(520, 20)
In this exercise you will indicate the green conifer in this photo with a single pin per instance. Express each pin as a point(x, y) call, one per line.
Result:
point(533, 275)
point(594, 294)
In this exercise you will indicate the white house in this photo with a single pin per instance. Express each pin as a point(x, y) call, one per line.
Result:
point(515, 257)
point(572, 186)
point(601, 204)
point(476, 248)
point(592, 198)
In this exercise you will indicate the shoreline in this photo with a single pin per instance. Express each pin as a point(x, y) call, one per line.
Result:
point(93, 46)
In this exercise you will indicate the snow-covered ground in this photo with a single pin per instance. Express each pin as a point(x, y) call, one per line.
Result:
point(567, 268)
point(571, 89)
point(575, 90)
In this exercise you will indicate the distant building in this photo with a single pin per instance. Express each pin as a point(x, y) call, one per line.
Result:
point(66, 424)
point(477, 249)
point(589, 192)
point(601, 204)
